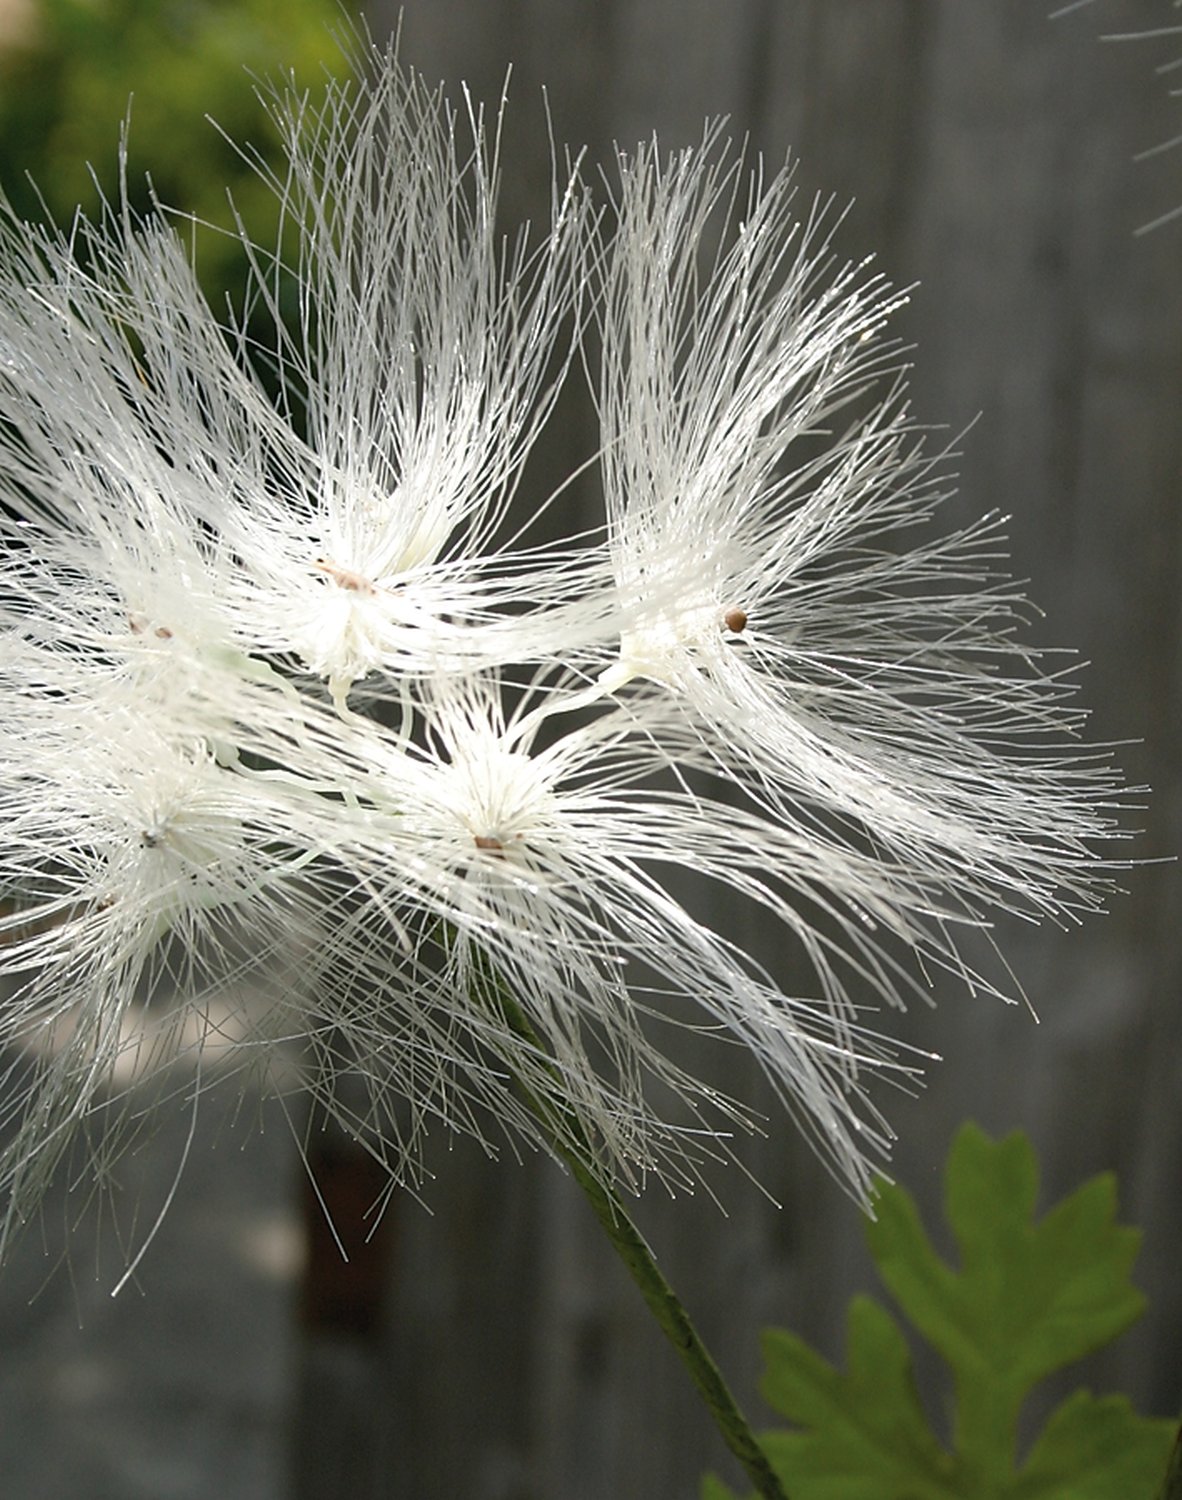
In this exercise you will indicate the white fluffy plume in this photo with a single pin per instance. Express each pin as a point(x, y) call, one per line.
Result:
point(768, 671)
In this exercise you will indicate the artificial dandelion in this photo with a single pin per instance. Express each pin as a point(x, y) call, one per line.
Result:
point(283, 671)
point(283, 675)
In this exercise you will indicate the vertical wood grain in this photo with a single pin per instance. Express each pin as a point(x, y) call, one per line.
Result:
point(988, 153)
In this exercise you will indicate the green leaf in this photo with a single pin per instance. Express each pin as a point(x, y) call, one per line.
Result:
point(1027, 1298)
point(866, 1436)
point(1096, 1449)
point(1030, 1298)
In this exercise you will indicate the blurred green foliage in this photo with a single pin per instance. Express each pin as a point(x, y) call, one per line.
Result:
point(66, 78)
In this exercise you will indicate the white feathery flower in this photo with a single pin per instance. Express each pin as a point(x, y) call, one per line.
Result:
point(767, 677)
point(164, 902)
point(858, 674)
point(106, 574)
point(543, 860)
point(364, 501)
point(130, 858)
point(173, 535)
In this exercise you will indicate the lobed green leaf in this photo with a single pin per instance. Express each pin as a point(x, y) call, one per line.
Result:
point(1028, 1298)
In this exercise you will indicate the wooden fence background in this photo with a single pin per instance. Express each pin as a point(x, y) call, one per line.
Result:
point(988, 151)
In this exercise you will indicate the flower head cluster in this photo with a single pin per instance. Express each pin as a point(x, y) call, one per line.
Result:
point(308, 749)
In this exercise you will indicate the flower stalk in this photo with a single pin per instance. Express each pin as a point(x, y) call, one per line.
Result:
point(570, 1143)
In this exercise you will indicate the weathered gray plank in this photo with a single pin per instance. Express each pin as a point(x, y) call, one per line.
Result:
point(988, 151)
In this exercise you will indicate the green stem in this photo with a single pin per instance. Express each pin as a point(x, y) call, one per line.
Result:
point(570, 1142)
point(675, 1322)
